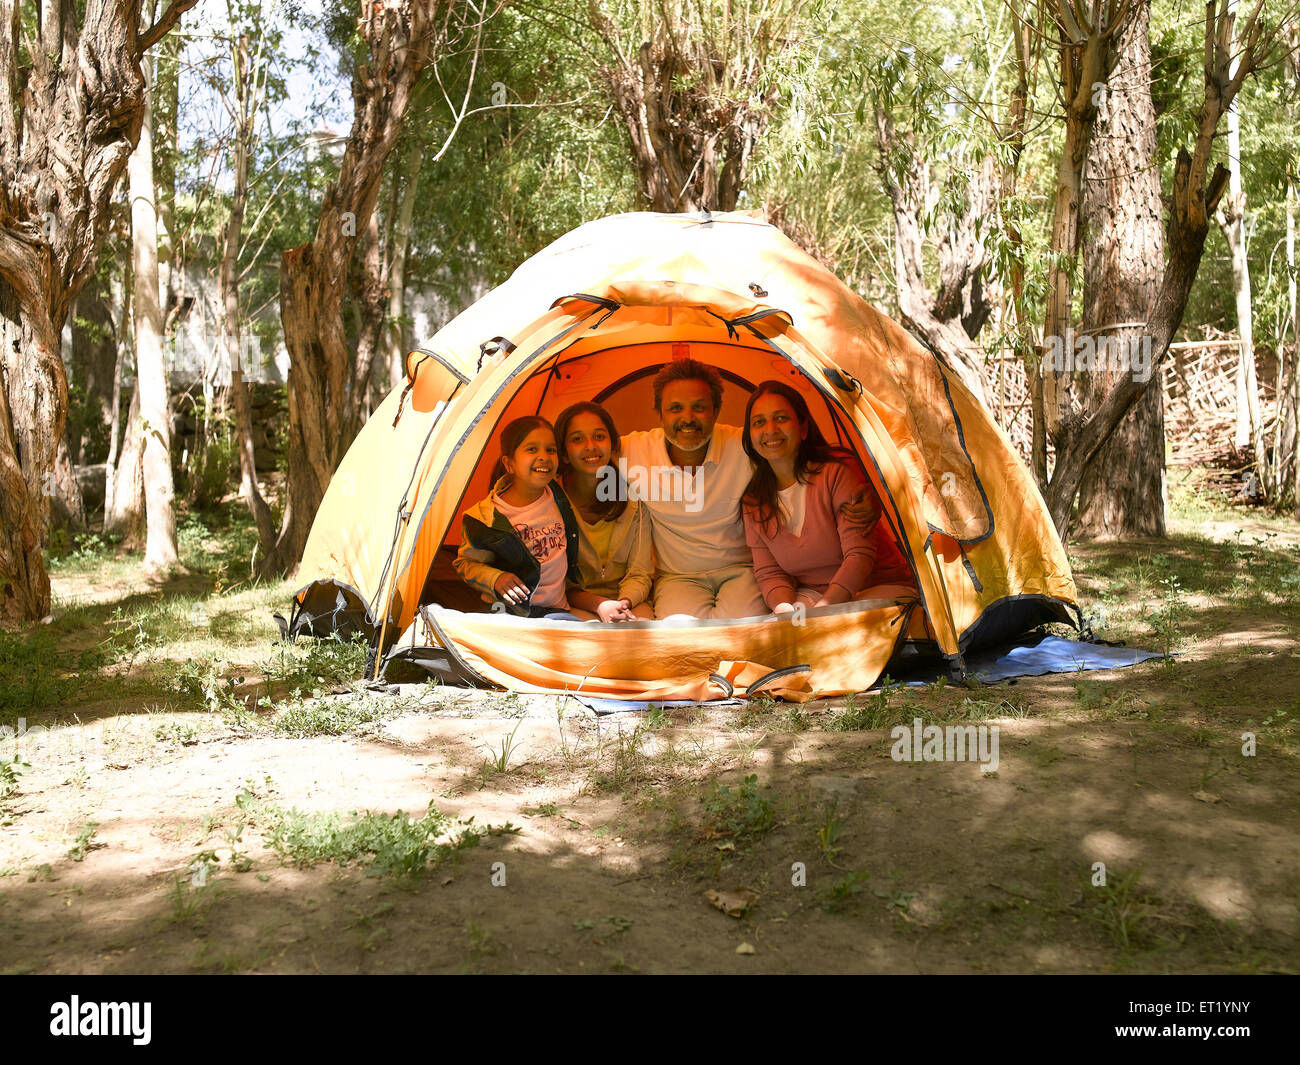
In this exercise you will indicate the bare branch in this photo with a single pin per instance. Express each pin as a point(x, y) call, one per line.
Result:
point(158, 30)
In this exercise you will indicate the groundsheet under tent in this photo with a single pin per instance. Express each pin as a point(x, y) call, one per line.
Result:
point(1049, 654)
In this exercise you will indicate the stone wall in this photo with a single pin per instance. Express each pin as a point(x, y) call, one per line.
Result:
point(270, 417)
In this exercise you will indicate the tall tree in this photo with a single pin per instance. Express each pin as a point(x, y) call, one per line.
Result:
point(1234, 222)
point(695, 85)
point(1289, 436)
point(150, 370)
point(945, 177)
point(248, 90)
point(395, 340)
point(124, 508)
point(1123, 490)
point(397, 40)
point(119, 310)
point(1077, 433)
point(73, 113)
point(1087, 57)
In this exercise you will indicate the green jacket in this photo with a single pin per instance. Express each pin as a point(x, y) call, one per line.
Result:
point(491, 547)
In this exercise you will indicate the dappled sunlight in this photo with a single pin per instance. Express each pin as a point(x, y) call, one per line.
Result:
point(599, 877)
point(624, 822)
point(1106, 846)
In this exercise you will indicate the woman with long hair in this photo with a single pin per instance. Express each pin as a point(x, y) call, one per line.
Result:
point(615, 559)
point(806, 549)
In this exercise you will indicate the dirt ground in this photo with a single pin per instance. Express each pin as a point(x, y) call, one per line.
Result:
point(124, 849)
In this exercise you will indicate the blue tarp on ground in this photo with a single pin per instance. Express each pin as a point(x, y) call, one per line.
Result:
point(1049, 654)
point(1052, 654)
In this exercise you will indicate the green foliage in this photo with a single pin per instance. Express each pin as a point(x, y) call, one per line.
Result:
point(334, 717)
point(205, 472)
point(628, 765)
point(389, 844)
point(516, 177)
point(308, 669)
point(843, 893)
point(90, 547)
point(205, 681)
point(873, 713)
point(499, 760)
point(1129, 915)
point(173, 733)
point(10, 770)
point(216, 542)
point(1167, 617)
point(82, 843)
point(763, 711)
point(830, 831)
point(313, 665)
point(739, 814)
point(86, 422)
point(35, 672)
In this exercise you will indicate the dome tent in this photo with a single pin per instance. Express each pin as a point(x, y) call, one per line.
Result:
point(594, 316)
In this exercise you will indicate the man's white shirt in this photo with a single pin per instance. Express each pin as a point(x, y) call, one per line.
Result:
point(695, 514)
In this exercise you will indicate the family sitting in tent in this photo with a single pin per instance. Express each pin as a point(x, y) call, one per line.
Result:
point(689, 519)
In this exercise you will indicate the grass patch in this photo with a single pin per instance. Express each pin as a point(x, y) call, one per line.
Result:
point(83, 843)
point(499, 760)
point(335, 717)
point(308, 666)
point(872, 713)
point(628, 765)
point(767, 713)
point(830, 831)
point(739, 814)
point(844, 893)
point(36, 673)
point(387, 844)
point(10, 770)
point(1129, 915)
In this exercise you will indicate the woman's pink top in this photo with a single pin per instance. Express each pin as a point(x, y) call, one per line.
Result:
point(830, 549)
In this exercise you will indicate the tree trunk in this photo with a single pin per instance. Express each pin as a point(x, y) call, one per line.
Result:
point(396, 344)
point(26, 454)
point(950, 315)
point(70, 120)
point(150, 370)
point(1288, 413)
point(1247, 425)
point(372, 305)
point(246, 113)
point(313, 276)
point(695, 96)
point(1122, 494)
point(120, 316)
point(67, 510)
point(1087, 59)
point(1193, 200)
point(124, 512)
point(165, 102)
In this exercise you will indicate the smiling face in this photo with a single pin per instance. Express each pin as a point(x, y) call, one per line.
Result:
point(688, 415)
point(533, 462)
point(774, 429)
point(587, 444)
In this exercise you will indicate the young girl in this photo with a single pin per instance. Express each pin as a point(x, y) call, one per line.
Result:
point(806, 550)
point(521, 543)
point(615, 560)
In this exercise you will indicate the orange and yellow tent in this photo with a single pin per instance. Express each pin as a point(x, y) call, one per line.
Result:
point(594, 316)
